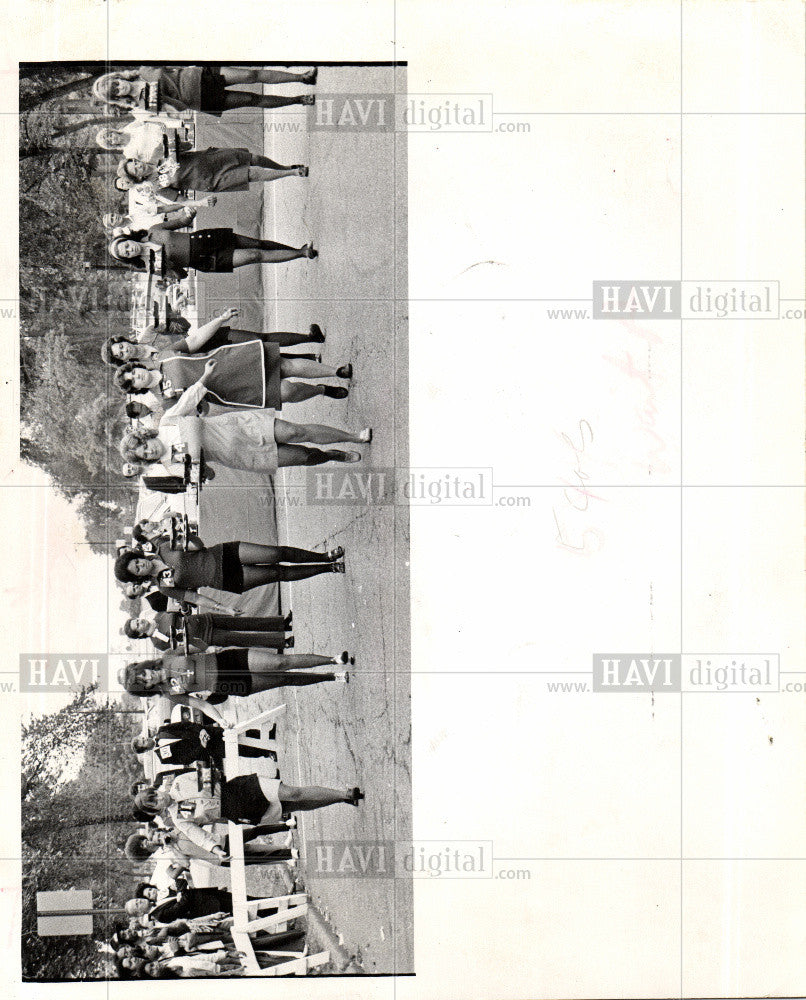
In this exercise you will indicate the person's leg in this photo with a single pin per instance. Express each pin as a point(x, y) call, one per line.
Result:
point(235, 99)
point(298, 392)
point(268, 681)
point(243, 258)
point(251, 553)
point(243, 640)
point(292, 368)
point(263, 175)
point(300, 454)
point(246, 623)
point(259, 576)
point(288, 433)
point(261, 660)
point(302, 357)
point(245, 74)
point(241, 242)
point(281, 338)
point(294, 798)
point(262, 830)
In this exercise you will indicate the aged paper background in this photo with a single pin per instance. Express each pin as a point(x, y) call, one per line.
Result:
point(663, 837)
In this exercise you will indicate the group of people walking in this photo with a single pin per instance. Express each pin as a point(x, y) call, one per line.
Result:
point(197, 396)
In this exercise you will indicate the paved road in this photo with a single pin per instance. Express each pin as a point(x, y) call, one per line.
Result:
point(353, 207)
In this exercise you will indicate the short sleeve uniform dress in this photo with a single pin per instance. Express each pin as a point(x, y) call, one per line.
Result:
point(222, 674)
point(247, 375)
point(213, 169)
point(194, 88)
point(207, 250)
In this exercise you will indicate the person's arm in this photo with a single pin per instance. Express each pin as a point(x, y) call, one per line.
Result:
point(198, 338)
point(195, 832)
point(186, 405)
point(176, 223)
point(204, 603)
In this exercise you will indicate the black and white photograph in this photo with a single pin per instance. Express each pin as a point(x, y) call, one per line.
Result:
point(214, 332)
point(403, 490)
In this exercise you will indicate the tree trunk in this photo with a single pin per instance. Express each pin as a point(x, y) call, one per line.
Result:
point(27, 103)
point(54, 825)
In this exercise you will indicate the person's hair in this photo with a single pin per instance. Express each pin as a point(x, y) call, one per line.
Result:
point(143, 801)
point(133, 633)
point(123, 376)
point(133, 678)
point(140, 891)
point(138, 849)
point(124, 170)
point(101, 91)
point(122, 571)
point(106, 349)
point(138, 532)
point(103, 139)
point(135, 408)
point(135, 788)
point(155, 969)
point(137, 263)
point(136, 742)
point(138, 468)
point(141, 816)
point(133, 440)
point(122, 184)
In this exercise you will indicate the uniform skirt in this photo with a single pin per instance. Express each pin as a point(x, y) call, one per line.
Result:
point(233, 674)
point(244, 800)
point(213, 169)
point(212, 91)
point(211, 250)
point(240, 439)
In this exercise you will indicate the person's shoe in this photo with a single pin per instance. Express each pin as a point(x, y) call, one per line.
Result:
point(309, 76)
point(288, 619)
point(289, 839)
point(309, 252)
point(335, 554)
point(366, 435)
point(291, 823)
point(356, 796)
point(342, 678)
point(294, 854)
point(302, 171)
point(272, 732)
point(308, 100)
point(350, 457)
point(289, 643)
point(345, 371)
point(337, 567)
point(334, 392)
point(316, 334)
point(343, 657)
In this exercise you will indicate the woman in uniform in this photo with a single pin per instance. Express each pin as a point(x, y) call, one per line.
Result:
point(197, 88)
point(210, 169)
point(232, 566)
point(238, 672)
point(212, 250)
point(249, 439)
